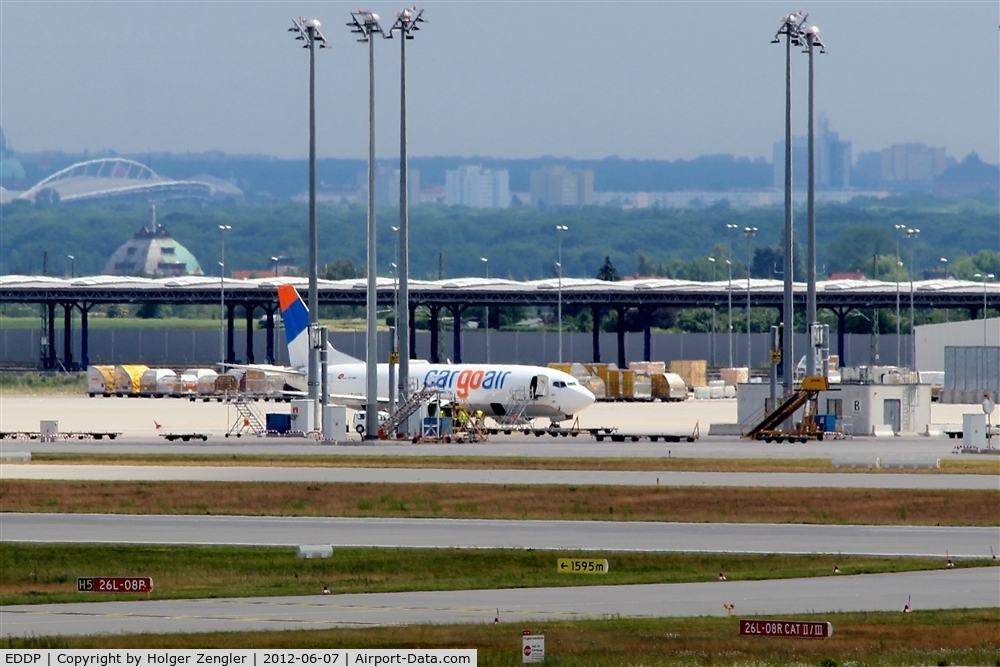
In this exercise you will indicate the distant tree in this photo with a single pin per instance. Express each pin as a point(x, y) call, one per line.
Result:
point(117, 310)
point(341, 269)
point(608, 271)
point(645, 267)
point(149, 311)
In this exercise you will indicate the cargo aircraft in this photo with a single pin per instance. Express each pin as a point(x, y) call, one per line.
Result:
point(550, 393)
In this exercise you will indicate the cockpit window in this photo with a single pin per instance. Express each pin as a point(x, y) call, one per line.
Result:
point(558, 383)
point(571, 383)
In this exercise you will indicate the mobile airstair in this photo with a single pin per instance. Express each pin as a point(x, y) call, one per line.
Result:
point(768, 426)
point(406, 410)
point(248, 418)
point(513, 417)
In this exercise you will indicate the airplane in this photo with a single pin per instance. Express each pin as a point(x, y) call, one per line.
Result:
point(552, 394)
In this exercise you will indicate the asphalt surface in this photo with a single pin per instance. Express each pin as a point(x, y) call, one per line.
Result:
point(508, 477)
point(930, 541)
point(583, 446)
point(940, 589)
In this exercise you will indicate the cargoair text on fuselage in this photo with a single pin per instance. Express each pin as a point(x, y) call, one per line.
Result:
point(488, 387)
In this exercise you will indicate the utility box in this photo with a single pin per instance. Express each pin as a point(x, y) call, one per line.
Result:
point(974, 430)
point(335, 422)
point(48, 429)
point(302, 416)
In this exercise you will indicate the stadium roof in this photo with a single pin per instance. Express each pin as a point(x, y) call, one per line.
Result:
point(117, 178)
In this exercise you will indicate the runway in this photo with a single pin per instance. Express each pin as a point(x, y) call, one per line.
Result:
point(265, 473)
point(928, 541)
point(940, 589)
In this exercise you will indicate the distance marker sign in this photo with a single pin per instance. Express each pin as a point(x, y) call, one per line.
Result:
point(114, 584)
point(759, 628)
point(582, 565)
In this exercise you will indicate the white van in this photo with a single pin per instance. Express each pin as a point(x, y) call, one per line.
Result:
point(359, 420)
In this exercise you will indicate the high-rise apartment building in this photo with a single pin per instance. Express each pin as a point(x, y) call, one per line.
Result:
point(912, 162)
point(833, 159)
point(387, 186)
point(477, 187)
point(559, 186)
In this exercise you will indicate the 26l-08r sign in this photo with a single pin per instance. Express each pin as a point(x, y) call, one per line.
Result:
point(114, 584)
point(806, 630)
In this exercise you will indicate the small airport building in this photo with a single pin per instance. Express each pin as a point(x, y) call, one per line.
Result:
point(875, 401)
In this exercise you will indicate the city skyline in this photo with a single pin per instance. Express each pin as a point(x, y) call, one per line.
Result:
point(540, 80)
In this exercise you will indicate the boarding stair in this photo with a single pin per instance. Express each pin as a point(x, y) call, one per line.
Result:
point(769, 426)
point(408, 407)
point(248, 418)
point(513, 415)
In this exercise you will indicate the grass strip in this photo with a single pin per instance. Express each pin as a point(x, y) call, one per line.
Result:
point(46, 573)
point(484, 501)
point(878, 639)
point(981, 466)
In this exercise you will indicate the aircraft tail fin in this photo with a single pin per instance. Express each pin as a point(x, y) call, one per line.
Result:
point(295, 317)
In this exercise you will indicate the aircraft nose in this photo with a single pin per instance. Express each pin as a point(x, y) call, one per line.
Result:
point(583, 397)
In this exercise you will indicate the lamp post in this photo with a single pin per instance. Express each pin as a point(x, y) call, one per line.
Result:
point(912, 234)
point(275, 260)
point(900, 230)
point(944, 266)
point(487, 262)
point(729, 297)
point(559, 230)
point(406, 23)
point(812, 41)
point(72, 265)
point(730, 230)
point(222, 296)
point(366, 24)
point(712, 351)
point(308, 32)
point(749, 233)
point(986, 278)
point(791, 29)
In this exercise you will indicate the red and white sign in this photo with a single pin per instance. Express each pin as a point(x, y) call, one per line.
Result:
point(795, 629)
point(532, 647)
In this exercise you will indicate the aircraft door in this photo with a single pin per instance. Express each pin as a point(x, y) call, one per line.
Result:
point(539, 386)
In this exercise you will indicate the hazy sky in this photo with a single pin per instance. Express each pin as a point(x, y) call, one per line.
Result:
point(661, 80)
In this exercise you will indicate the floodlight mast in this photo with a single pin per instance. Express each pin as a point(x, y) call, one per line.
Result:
point(406, 23)
point(790, 29)
point(308, 31)
point(812, 41)
point(366, 24)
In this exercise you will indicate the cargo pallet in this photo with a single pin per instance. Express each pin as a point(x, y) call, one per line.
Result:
point(617, 436)
point(68, 435)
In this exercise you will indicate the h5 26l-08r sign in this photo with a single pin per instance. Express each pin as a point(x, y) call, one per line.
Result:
point(114, 584)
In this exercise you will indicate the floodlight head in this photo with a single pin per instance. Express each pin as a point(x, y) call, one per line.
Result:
point(483, 259)
point(712, 260)
point(990, 276)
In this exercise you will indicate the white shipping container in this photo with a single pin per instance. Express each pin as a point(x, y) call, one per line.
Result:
point(153, 382)
point(100, 380)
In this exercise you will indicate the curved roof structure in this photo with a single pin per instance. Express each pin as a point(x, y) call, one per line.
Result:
point(116, 178)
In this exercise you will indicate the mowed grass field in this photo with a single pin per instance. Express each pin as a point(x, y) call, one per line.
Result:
point(476, 501)
point(952, 637)
point(37, 573)
point(972, 466)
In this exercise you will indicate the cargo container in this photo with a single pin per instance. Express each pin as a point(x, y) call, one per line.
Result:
point(636, 386)
point(100, 380)
point(157, 382)
point(693, 371)
point(187, 385)
point(128, 379)
point(207, 383)
point(227, 384)
point(649, 367)
point(669, 387)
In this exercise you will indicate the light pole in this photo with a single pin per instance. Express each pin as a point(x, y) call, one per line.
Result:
point(912, 234)
point(944, 266)
point(712, 352)
point(812, 40)
point(559, 230)
point(790, 28)
point(729, 297)
point(986, 278)
point(308, 32)
point(406, 23)
point(72, 265)
point(749, 233)
point(222, 296)
point(730, 230)
point(487, 262)
point(366, 24)
point(275, 260)
point(900, 230)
